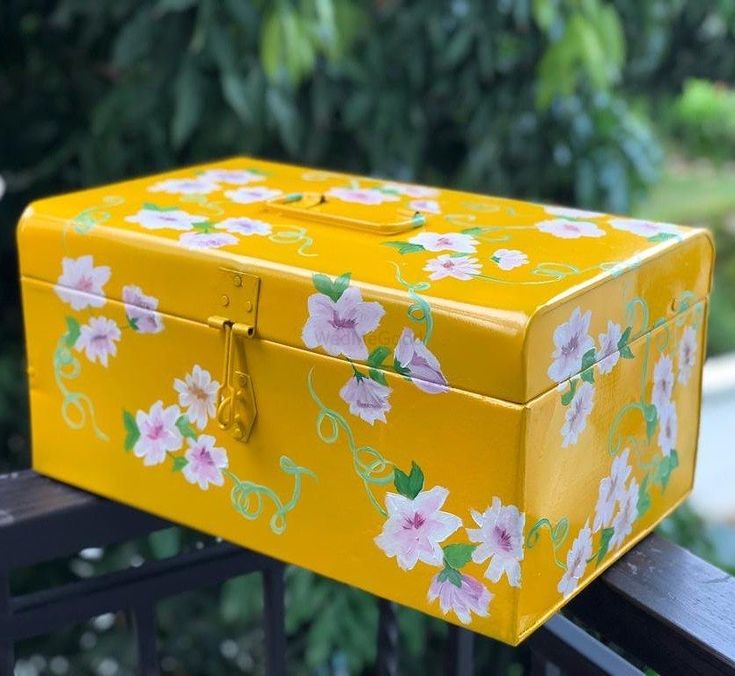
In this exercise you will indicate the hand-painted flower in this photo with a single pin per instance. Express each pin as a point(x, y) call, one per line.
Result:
point(571, 341)
point(197, 395)
point(232, 176)
point(172, 219)
point(205, 462)
point(668, 427)
point(644, 228)
point(185, 186)
point(427, 206)
point(569, 229)
point(245, 226)
point(612, 489)
point(367, 398)
point(568, 212)
point(207, 240)
point(627, 513)
point(250, 195)
point(577, 557)
point(97, 339)
point(340, 326)
point(445, 241)
point(367, 196)
point(507, 259)
point(608, 350)
point(687, 354)
point(663, 382)
point(158, 433)
point(81, 284)
point(459, 267)
point(575, 418)
point(415, 528)
point(141, 310)
point(500, 538)
point(415, 191)
point(470, 597)
point(422, 366)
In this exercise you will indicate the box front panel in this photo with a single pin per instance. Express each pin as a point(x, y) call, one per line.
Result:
point(365, 478)
point(609, 454)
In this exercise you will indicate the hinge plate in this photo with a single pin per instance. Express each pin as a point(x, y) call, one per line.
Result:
point(237, 296)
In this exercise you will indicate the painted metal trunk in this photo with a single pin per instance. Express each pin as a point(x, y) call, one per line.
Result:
point(466, 404)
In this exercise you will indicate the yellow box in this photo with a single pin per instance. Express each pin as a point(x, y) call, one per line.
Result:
point(467, 404)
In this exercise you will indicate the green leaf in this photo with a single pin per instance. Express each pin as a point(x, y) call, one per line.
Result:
point(234, 91)
point(332, 289)
point(454, 576)
point(663, 236)
point(674, 458)
point(185, 428)
point(605, 537)
point(409, 485)
point(400, 481)
point(625, 338)
point(341, 284)
point(179, 463)
point(458, 555)
point(644, 497)
point(378, 376)
point(588, 359)
point(378, 355)
point(405, 247)
point(651, 417)
point(567, 397)
point(132, 433)
point(401, 370)
point(626, 352)
point(72, 332)
point(132, 323)
point(188, 103)
point(588, 375)
point(473, 231)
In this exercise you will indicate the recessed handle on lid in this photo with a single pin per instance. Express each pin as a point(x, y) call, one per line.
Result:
point(300, 205)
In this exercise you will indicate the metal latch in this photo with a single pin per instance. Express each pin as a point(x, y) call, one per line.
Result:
point(238, 299)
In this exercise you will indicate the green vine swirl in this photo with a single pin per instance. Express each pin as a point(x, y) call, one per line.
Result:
point(551, 273)
point(85, 221)
point(558, 533)
point(75, 406)
point(419, 310)
point(372, 468)
point(294, 235)
point(248, 497)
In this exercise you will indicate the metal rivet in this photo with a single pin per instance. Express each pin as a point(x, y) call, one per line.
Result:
point(238, 280)
point(238, 432)
point(248, 306)
point(225, 300)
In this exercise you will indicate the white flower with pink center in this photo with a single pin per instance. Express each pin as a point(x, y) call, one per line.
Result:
point(159, 434)
point(251, 195)
point(458, 267)
point(165, 219)
point(500, 538)
point(612, 489)
point(668, 427)
point(663, 382)
point(626, 515)
point(204, 462)
point(340, 326)
point(414, 191)
point(575, 418)
point(471, 596)
point(570, 229)
point(98, 339)
point(508, 259)
point(642, 228)
point(608, 350)
point(568, 212)
point(245, 226)
point(687, 354)
point(185, 186)
point(571, 342)
point(141, 310)
point(367, 398)
point(427, 206)
point(231, 176)
point(579, 553)
point(419, 364)
point(198, 395)
point(446, 241)
point(207, 240)
point(368, 196)
point(81, 284)
point(415, 528)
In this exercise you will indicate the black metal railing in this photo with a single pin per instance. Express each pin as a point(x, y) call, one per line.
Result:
point(660, 606)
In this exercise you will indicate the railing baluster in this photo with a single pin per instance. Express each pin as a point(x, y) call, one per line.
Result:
point(7, 656)
point(461, 658)
point(274, 618)
point(387, 653)
point(144, 620)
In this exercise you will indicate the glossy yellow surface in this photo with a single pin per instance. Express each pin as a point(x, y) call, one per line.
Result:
point(465, 319)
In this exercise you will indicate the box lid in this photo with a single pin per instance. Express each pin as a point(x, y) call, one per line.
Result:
point(451, 289)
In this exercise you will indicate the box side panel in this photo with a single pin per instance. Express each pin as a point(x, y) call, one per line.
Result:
point(607, 458)
point(129, 414)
